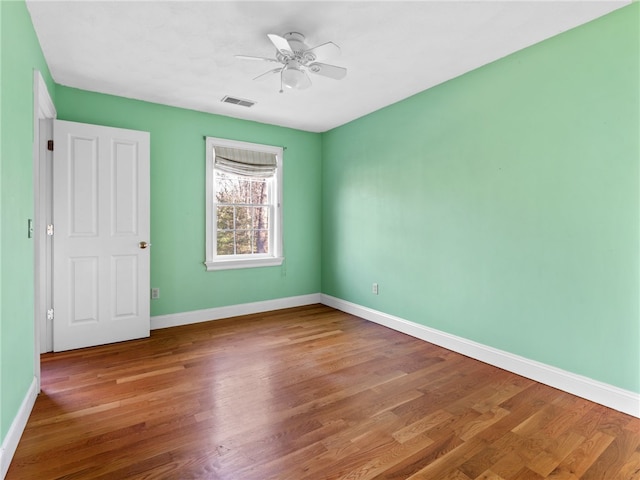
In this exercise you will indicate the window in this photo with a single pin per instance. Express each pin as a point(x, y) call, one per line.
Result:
point(244, 219)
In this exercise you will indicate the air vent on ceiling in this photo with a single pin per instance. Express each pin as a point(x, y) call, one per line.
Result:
point(238, 101)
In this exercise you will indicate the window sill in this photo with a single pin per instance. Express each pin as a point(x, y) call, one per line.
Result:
point(243, 263)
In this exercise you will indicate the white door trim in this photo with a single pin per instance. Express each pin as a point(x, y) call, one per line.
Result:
point(43, 109)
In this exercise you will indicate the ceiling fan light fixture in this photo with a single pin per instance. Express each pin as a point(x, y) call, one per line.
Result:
point(293, 77)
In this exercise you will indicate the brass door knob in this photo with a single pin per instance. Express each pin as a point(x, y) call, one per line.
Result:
point(144, 245)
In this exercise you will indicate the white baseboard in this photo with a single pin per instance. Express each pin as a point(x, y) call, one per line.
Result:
point(593, 390)
point(10, 442)
point(217, 313)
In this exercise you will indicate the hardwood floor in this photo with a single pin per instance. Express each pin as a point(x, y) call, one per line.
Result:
point(309, 393)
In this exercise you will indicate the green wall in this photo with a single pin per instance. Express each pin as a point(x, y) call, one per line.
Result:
point(178, 201)
point(502, 206)
point(20, 55)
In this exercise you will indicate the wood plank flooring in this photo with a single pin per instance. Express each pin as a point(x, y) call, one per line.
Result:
point(308, 393)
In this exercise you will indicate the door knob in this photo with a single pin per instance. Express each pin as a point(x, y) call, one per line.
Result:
point(144, 245)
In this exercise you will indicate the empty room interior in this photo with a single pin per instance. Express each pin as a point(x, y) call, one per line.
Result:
point(320, 240)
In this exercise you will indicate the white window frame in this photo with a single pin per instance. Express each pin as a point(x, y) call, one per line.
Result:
point(225, 262)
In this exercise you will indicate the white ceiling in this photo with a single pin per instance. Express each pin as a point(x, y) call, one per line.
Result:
point(181, 53)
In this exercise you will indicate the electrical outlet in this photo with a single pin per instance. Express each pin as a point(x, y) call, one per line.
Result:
point(155, 293)
point(374, 289)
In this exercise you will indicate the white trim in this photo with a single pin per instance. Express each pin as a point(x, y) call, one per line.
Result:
point(10, 442)
point(45, 104)
point(43, 108)
point(244, 263)
point(217, 313)
point(599, 392)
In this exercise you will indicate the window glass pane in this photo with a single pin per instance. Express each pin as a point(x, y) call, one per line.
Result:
point(236, 189)
point(225, 244)
point(261, 218)
point(228, 188)
point(261, 241)
point(244, 242)
point(244, 220)
point(225, 218)
point(258, 192)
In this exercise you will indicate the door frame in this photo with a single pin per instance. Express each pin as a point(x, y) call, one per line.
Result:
point(43, 109)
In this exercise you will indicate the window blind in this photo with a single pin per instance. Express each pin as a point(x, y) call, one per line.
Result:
point(248, 163)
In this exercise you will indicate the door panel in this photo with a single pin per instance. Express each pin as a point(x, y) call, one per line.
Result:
point(83, 289)
point(125, 172)
point(82, 187)
point(125, 275)
point(100, 216)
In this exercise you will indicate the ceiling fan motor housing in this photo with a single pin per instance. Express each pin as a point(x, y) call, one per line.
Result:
point(296, 40)
point(299, 49)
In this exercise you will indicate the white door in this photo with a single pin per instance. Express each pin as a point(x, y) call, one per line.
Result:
point(100, 235)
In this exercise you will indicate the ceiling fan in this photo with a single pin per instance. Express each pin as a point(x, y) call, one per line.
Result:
point(297, 59)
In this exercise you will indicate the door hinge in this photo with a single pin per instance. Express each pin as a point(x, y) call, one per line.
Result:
point(50, 145)
point(50, 314)
point(50, 230)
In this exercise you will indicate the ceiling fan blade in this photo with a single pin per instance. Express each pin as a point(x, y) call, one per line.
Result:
point(248, 57)
point(331, 71)
point(324, 51)
point(275, 70)
point(281, 45)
